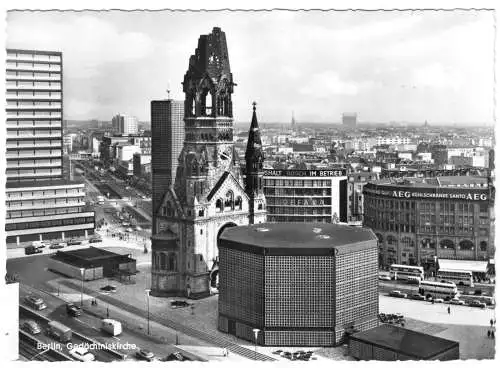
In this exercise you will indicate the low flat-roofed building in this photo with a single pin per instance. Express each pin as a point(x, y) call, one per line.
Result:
point(96, 263)
point(391, 343)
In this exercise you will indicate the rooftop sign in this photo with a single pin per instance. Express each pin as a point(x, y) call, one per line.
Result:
point(430, 193)
point(306, 173)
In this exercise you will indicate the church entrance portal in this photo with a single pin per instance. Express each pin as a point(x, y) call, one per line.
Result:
point(214, 274)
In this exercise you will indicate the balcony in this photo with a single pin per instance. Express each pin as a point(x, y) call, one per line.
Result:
point(13, 97)
point(34, 136)
point(12, 107)
point(33, 79)
point(27, 207)
point(23, 164)
point(24, 154)
point(28, 66)
point(14, 175)
point(31, 57)
point(26, 124)
point(31, 145)
point(32, 88)
point(45, 196)
point(34, 117)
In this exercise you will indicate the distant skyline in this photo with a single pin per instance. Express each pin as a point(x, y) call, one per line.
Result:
point(386, 66)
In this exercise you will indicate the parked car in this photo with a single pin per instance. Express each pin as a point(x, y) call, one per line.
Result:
point(417, 297)
point(397, 294)
point(384, 277)
point(457, 301)
point(179, 304)
point(38, 244)
point(438, 300)
point(57, 245)
point(277, 352)
point(32, 250)
point(477, 303)
point(82, 354)
point(144, 354)
point(31, 327)
point(95, 240)
point(109, 289)
point(74, 242)
point(175, 356)
point(73, 310)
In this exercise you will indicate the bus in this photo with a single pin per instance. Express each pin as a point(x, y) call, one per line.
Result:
point(461, 278)
point(402, 272)
point(431, 289)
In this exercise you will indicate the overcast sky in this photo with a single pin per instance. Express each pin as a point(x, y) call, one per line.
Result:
point(386, 66)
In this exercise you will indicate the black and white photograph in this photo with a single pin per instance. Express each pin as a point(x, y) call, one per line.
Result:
point(217, 185)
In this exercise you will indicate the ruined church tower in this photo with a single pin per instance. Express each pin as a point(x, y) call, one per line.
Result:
point(209, 193)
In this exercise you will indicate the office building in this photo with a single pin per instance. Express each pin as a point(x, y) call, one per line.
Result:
point(306, 195)
point(125, 124)
point(301, 285)
point(40, 203)
point(355, 184)
point(420, 220)
point(350, 119)
point(167, 131)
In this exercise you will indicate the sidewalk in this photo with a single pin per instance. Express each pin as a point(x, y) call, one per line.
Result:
point(130, 298)
point(161, 335)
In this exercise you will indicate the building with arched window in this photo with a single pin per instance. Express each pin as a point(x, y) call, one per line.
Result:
point(420, 220)
point(208, 193)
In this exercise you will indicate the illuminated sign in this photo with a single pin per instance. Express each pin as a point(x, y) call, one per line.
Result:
point(441, 193)
point(306, 173)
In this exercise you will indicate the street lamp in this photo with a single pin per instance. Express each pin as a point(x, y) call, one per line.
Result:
point(147, 297)
point(256, 335)
point(82, 270)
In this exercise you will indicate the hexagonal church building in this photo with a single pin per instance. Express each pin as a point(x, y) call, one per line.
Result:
point(297, 285)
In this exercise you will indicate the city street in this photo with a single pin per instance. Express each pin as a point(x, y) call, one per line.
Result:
point(89, 323)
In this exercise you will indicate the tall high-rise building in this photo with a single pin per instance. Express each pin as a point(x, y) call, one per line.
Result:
point(350, 119)
point(167, 139)
point(209, 193)
point(125, 124)
point(40, 203)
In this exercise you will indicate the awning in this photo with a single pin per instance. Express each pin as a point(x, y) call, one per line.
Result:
point(460, 265)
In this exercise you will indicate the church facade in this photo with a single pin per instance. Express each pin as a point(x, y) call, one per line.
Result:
point(210, 192)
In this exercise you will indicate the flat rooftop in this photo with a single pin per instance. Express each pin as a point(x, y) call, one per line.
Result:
point(298, 235)
point(469, 182)
point(404, 341)
point(90, 253)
